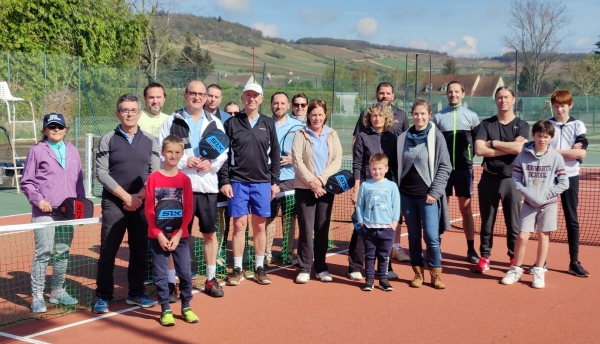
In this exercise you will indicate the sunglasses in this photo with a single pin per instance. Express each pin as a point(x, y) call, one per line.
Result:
point(55, 126)
point(233, 113)
point(300, 105)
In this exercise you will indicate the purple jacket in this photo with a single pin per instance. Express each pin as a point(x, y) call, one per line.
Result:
point(45, 179)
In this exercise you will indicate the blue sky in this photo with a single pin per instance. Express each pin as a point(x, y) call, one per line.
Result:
point(465, 28)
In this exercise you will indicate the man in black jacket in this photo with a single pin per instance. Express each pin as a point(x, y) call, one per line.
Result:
point(250, 178)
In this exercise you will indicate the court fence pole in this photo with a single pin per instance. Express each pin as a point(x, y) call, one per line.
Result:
point(89, 149)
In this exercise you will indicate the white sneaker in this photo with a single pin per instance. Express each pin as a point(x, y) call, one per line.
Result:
point(400, 255)
point(513, 275)
point(268, 258)
point(324, 276)
point(538, 277)
point(302, 278)
point(356, 275)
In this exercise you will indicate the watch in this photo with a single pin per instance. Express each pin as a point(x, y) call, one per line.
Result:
point(492, 144)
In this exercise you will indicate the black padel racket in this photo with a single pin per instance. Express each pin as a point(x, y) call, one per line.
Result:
point(75, 208)
point(169, 216)
point(286, 142)
point(213, 144)
point(340, 182)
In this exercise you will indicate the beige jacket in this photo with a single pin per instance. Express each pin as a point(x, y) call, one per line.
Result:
point(303, 161)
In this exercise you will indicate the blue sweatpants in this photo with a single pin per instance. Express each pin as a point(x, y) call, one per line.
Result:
point(160, 262)
point(378, 244)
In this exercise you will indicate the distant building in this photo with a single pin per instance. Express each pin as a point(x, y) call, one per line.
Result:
point(475, 85)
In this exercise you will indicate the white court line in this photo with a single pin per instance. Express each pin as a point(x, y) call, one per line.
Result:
point(23, 339)
point(111, 314)
point(3, 217)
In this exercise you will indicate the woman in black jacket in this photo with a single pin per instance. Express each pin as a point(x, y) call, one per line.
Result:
point(376, 138)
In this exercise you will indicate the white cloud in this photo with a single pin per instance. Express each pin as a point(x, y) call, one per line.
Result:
point(270, 30)
point(235, 5)
point(319, 18)
point(466, 48)
point(581, 41)
point(367, 27)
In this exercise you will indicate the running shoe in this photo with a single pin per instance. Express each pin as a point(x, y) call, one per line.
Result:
point(141, 300)
point(213, 288)
point(513, 275)
point(173, 293)
point(38, 305)
point(538, 277)
point(260, 276)
point(166, 318)
point(368, 284)
point(189, 316)
point(324, 276)
point(400, 255)
point(483, 265)
point(472, 257)
point(101, 306)
point(60, 296)
point(384, 284)
point(576, 269)
point(235, 276)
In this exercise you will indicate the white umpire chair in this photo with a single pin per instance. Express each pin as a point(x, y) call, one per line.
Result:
point(22, 131)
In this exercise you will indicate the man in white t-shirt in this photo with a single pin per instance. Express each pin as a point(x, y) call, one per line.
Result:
point(151, 118)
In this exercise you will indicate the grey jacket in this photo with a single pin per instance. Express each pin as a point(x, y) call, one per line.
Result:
point(534, 176)
point(439, 169)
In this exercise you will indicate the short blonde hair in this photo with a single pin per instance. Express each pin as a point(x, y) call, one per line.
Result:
point(173, 139)
point(378, 158)
point(385, 110)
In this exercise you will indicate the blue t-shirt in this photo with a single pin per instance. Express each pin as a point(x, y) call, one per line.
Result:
point(254, 121)
point(195, 130)
point(286, 172)
point(129, 139)
point(320, 149)
point(60, 149)
point(378, 204)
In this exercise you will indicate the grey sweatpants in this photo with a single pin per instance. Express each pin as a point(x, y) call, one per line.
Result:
point(50, 239)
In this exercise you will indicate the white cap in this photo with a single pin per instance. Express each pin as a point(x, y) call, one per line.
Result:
point(253, 87)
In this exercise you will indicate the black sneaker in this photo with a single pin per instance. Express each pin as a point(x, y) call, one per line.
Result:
point(213, 288)
point(472, 257)
point(385, 285)
point(173, 293)
point(368, 285)
point(260, 276)
point(392, 275)
point(576, 269)
point(529, 270)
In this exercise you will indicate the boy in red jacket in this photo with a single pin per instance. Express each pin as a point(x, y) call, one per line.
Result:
point(170, 184)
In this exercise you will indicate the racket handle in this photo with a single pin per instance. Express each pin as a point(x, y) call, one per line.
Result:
point(55, 208)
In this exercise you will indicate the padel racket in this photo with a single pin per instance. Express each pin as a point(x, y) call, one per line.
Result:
point(340, 182)
point(169, 216)
point(213, 144)
point(75, 208)
point(286, 142)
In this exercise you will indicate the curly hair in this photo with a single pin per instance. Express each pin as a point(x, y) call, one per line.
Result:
point(385, 110)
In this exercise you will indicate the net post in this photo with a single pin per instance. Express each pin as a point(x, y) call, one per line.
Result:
point(89, 149)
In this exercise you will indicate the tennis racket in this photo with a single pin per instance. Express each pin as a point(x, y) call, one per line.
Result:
point(286, 142)
point(213, 144)
point(169, 216)
point(340, 182)
point(75, 208)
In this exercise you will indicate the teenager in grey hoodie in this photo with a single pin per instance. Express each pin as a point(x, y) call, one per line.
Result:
point(540, 175)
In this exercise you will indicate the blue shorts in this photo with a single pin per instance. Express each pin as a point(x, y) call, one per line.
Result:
point(462, 181)
point(253, 196)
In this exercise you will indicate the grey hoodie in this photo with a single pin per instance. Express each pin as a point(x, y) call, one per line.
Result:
point(534, 176)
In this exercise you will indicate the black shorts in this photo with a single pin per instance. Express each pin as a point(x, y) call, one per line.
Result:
point(462, 181)
point(205, 209)
point(282, 202)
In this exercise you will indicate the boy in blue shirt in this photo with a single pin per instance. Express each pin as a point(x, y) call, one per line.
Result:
point(378, 213)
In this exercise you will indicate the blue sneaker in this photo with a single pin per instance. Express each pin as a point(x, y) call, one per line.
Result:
point(101, 306)
point(141, 300)
point(38, 305)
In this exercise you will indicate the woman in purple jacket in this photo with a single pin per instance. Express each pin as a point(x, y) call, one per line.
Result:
point(52, 173)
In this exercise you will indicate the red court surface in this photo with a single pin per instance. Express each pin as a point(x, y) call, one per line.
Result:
point(473, 309)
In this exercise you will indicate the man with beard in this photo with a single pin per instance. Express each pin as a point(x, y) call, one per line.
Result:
point(152, 117)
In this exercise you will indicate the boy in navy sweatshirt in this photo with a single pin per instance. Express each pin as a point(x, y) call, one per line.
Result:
point(536, 169)
point(378, 212)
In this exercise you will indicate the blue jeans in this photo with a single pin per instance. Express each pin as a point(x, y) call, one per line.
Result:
point(422, 217)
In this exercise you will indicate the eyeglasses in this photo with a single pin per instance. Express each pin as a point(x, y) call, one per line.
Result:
point(300, 105)
point(55, 126)
point(233, 113)
point(196, 94)
point(129, 111)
